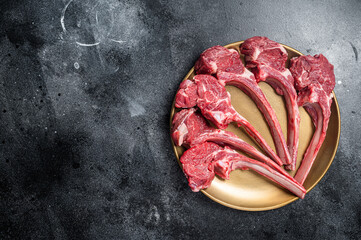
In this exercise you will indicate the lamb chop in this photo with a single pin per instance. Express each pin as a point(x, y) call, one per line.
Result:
point(190, 128)
point(219, 58)
point(228, 67)
point(267, 60)
point(201, 163)
point(314, 81)
point(215, 104)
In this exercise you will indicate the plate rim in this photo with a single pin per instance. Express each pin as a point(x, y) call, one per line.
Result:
point(255, 209)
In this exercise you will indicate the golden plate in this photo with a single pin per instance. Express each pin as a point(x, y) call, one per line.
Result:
point(248, 191)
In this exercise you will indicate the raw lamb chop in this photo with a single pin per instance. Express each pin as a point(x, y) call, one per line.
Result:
point(219, 58)
point(201, 163)
point(263, 50)
point(314, 80)
point(215, 104)
point(189, 128)
point(226, 63)
point(267, 60)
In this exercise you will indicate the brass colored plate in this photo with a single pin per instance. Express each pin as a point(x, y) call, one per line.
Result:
point(246, 190)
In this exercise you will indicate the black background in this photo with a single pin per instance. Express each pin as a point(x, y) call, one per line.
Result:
point(85, 151)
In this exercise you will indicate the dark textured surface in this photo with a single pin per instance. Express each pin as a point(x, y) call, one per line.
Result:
point(85, 150)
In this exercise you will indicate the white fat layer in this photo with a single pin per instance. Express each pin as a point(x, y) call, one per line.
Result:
point(214, 67)
point(256, 53)
point(233, 50)
point(218, 115)
point(247, 74)
point(183, 130)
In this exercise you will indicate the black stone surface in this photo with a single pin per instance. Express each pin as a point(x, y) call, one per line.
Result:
point(84, 130)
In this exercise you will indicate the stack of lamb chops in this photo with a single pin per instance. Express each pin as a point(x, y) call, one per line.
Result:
point(309, 82)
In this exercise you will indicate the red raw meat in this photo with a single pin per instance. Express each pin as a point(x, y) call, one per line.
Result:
point(219, 58)
point(215, 104)
point(186, 96)
point(189, 128)
point(201, 163)
point(197, 165)
point(221, 61)
point(187, 125)
point(267, 60)
point(315, 80)
point(262, 50)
